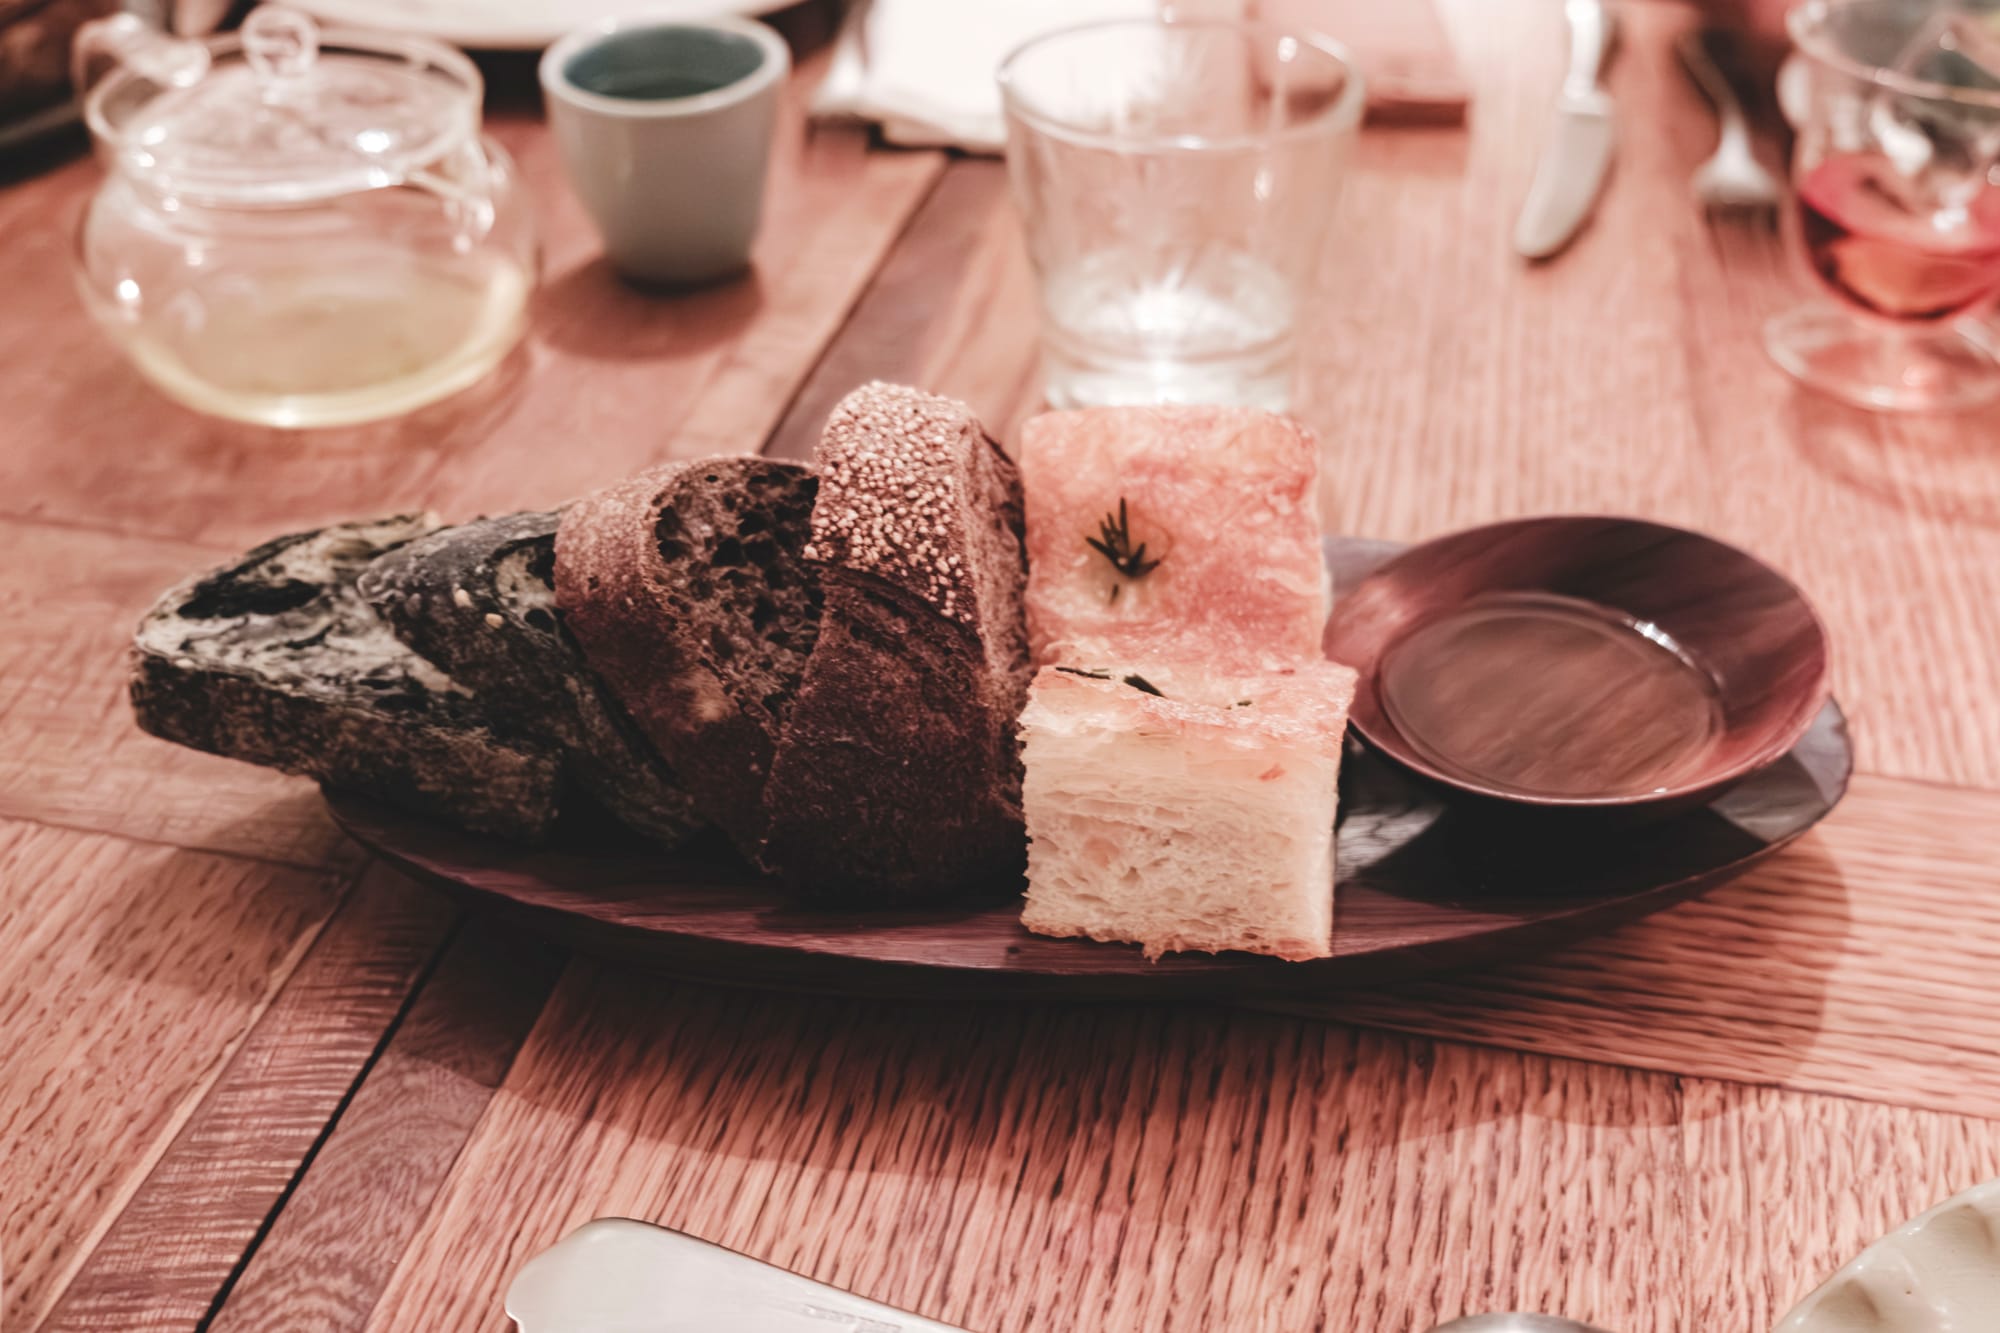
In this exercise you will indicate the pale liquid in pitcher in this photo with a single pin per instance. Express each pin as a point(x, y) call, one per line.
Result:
point(327, 344)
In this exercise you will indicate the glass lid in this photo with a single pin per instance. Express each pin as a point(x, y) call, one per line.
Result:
point(283, 111)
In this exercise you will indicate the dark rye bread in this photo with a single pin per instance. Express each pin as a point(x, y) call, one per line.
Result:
point(277, 659)
point(898, 776)
point(686, 588)
point(479, 600)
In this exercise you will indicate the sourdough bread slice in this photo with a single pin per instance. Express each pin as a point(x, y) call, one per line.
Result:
point(897, 775)
point(277, 659)
point(479, 600)
point(686, 588)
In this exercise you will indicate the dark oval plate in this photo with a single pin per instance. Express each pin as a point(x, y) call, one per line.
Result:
point(1424, 884)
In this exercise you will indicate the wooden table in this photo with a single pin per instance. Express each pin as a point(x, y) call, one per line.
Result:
point(250, 1083)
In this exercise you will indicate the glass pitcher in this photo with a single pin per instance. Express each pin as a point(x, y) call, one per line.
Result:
point(299, 227)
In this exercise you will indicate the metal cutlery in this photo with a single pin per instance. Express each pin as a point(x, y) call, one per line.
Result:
point(1732, 177)
point(1577, 157)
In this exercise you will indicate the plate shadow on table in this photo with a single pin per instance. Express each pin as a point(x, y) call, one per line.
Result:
point(1731, 984)
point(590, 311)
point(1942, 466)
point(663, 1059)
point(1377, 1068)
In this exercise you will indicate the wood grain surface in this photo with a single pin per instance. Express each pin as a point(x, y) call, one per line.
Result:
point(132, 973)
point(1067, 1168)
point(331, 1251)
point(69, 755)
point(1826, 970)
point(1763, 1240)
point(186, 1228)
point(237, 1092)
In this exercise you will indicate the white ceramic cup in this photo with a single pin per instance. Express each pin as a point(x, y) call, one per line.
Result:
point(664, 125)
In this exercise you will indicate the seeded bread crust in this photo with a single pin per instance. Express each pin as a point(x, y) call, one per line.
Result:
point(686, 588)
point(278, 660)
point(479, 600)
point(898, 776)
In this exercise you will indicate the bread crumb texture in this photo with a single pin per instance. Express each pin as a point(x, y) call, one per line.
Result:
point(1185, 823)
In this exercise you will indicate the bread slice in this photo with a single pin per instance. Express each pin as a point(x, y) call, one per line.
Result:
point(1183, 738)
point(897, 775)
point(1183, 811)
point(687, 590)
point(278, 659)
point(479, 600)
point(1216, 512)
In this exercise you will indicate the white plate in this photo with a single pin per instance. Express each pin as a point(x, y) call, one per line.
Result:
point(509, 25)
point(1939, 1273)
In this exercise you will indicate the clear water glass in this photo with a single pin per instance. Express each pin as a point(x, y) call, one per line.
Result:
point(1175, 182)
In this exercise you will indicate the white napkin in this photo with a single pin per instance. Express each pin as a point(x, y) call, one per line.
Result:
point(923, 69)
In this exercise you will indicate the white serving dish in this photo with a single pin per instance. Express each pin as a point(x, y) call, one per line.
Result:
point(1938, 1273)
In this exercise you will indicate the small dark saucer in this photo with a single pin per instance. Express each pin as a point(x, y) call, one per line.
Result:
point(1579, 662)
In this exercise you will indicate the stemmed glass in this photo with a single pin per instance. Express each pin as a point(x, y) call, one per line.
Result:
point(1896, 203)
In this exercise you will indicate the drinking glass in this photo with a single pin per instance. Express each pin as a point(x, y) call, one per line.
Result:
point(1175, 180)
point(1896, 203)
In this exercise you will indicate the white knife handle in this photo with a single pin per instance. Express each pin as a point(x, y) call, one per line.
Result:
point(1590, 30)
